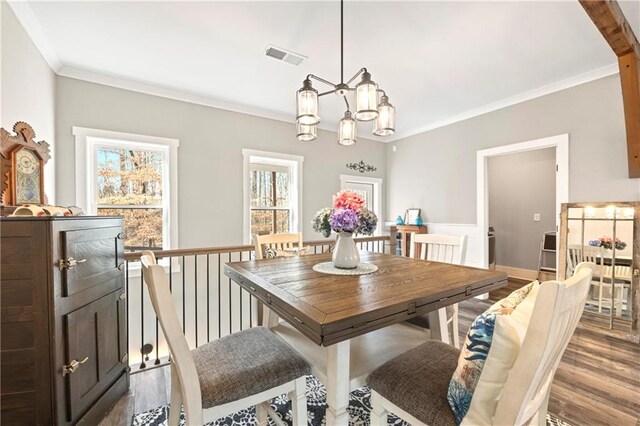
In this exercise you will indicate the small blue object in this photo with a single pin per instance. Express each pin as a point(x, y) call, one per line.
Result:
point(399, 220)
point(419, 221)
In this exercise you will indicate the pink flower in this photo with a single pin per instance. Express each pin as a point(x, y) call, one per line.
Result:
point(349, 200)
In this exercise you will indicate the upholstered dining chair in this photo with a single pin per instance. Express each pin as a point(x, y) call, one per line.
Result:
point(447, 249)
point(244, 369)
point(414, 386)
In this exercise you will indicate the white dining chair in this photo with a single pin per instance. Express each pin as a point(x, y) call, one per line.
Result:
point(576, 254)
point(276, 242)
point(447, 249)
point(272, 243)
point(244, 369)
point(414, 385)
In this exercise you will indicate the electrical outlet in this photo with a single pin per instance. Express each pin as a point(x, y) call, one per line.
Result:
point(536, 217)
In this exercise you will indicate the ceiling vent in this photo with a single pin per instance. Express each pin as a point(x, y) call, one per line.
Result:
point(284, 55)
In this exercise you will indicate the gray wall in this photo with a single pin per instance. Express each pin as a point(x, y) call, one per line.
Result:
point(436, 170)
point(209, 156)
point(520, 185)
point(27, 88)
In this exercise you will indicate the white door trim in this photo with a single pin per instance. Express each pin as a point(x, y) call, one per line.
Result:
point(377, 194)
point(559, 142)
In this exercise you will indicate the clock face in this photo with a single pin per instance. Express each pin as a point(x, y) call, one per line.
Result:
point(26, 162)
point(28, 171)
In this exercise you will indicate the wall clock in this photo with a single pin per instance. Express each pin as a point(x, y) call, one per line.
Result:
point(22, 166)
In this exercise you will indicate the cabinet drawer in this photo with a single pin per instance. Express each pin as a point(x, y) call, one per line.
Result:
point(92, 256)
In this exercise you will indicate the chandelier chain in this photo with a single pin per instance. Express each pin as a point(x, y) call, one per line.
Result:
point(341, 41)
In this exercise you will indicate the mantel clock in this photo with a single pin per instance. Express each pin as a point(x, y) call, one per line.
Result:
point(22, 166)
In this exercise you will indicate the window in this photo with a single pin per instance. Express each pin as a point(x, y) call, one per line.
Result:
point(270, 201)
point(132, 176)
point(273, 193)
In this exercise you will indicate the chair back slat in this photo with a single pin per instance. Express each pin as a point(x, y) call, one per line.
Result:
point(439, 248)
point(158, 285)
point(276, 242)
point(557, 310)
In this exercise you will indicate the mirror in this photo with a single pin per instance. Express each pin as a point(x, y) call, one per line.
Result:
point(604, 234)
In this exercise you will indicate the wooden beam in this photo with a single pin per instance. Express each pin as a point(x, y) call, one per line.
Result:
point(630, 78)
point(613, 25)
point(608, 17)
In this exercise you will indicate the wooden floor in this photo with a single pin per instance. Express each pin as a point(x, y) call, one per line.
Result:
point(597, 382)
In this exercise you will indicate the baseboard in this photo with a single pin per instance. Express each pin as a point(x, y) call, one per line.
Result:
point(523, 274)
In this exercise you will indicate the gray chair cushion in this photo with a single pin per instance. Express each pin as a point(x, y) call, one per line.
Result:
point(423, 320)
point(417, 381)
point(245, 363)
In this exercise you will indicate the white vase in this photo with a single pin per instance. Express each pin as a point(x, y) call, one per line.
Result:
point(346, 254)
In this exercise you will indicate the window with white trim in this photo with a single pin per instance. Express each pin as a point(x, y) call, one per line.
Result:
point(273, 193)
point(131, 176)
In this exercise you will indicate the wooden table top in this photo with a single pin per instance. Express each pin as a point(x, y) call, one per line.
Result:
point(332, 308)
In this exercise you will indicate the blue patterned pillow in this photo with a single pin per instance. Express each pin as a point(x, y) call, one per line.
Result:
point(476, 349)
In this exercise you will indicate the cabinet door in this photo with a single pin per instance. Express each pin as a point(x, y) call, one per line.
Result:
point(97, 333)
point(99, 253)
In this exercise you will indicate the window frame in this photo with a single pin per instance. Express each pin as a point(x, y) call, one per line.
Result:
point(294, 164)
point(88, 140)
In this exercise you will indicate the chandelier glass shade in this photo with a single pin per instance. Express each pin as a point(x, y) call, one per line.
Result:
point(366, 99)
point(367, 106)
point(305, 132)
point(385, 121)
point(347, 129)
point(307, 105)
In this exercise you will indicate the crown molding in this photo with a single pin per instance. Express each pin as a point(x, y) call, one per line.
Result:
point(513, 100)
point(32, 26)
point(178, 95)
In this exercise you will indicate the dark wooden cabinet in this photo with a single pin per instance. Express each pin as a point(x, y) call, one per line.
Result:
point(63, 319)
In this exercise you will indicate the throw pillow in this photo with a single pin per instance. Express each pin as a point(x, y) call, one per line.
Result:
point(491, 328)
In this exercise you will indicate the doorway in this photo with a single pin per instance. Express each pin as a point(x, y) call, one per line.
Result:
point(371, 189)
point(559, 143)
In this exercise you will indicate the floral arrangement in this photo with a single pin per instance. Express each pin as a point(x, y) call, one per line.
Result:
point(607, 242)
point(348, 214)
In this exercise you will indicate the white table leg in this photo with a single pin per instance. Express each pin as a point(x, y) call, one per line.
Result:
point(438, 325)
point(338, 383)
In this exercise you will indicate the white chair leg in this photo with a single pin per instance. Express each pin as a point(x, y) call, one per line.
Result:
point(299, 402)
point(454, 327)
point(176, 398)
point(378, 413)
point(261, 415)
point(438, 324)
point(270, 318)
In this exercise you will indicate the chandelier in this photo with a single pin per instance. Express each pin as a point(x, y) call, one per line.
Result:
point(367, 105)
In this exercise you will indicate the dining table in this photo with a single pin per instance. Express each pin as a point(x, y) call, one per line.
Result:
point(348, 325)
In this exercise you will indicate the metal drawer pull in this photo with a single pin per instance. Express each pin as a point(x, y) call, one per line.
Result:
point(69, 263)
point(252, 288)
point(73, 366)
point(299, 320)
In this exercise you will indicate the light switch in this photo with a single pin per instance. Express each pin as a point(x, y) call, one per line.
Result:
point(536, 217)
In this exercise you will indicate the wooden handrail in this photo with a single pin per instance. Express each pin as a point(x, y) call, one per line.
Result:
point(134, 256)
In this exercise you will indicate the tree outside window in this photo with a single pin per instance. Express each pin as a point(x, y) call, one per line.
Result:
point(130, 184)
point(270, 199)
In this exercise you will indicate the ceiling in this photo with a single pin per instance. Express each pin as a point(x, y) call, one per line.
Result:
point(439, 62)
